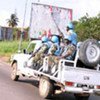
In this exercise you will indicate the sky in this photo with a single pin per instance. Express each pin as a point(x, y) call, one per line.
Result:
point(79, 7)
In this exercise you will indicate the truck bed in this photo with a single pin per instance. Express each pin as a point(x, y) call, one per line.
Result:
point(81, 75)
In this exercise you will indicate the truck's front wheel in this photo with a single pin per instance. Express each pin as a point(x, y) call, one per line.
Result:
point(14, 75)
point(46, 87)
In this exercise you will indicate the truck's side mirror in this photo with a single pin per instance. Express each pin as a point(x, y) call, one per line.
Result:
point(24, 51)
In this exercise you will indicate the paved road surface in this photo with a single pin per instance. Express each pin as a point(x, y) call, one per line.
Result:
point(25, 89)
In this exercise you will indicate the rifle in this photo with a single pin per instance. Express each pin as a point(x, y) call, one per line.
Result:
point(61, 34)
point(35, 53)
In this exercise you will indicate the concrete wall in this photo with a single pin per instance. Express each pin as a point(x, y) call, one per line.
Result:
point(6, 33)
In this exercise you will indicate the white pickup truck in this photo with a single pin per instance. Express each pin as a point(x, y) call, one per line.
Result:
point(80, 76)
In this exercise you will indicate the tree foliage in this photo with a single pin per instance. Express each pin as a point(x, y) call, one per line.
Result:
point(13, 21)
point(88, 27)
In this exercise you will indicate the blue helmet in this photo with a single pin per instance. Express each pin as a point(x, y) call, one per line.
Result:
point(55, 39)
point(44, 39)
point(70, 25)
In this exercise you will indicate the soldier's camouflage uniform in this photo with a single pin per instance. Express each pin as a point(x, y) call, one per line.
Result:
point(67, 53)
point(38, 57)
point(53, 49)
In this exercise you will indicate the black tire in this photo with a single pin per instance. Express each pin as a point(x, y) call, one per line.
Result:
point(46, 88)
point(79, 97)
point(14, 75)
point(89, 53)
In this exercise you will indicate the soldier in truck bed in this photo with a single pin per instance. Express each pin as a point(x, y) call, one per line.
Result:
point(69, 48)
point(55, 47)
point(67, 52)
point(55, 50)
point(37, 57)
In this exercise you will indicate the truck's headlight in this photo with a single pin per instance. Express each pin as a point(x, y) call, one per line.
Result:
point(11, 58)
point(25, 64)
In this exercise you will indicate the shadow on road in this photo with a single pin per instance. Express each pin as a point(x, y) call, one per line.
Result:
point(63, 96)
point(60, 96)
point(31, 81)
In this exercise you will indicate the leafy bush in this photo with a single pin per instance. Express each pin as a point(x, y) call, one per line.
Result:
point(88, 27)
point(9, 47)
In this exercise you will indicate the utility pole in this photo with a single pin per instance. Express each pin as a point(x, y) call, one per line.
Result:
point(22, 29)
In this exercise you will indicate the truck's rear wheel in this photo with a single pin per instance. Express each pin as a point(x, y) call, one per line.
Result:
point(46, 88)
point(14, 75)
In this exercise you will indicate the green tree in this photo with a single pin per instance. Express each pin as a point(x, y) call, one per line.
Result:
point(13, 21)
point(88, 27)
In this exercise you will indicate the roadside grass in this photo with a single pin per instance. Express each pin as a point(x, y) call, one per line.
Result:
point(7, 48)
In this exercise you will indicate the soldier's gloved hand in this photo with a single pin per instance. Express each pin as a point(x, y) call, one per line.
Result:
point(43, 55)
point(47, 54)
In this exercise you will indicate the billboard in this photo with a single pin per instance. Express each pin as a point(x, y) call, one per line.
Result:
point(46, 19)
